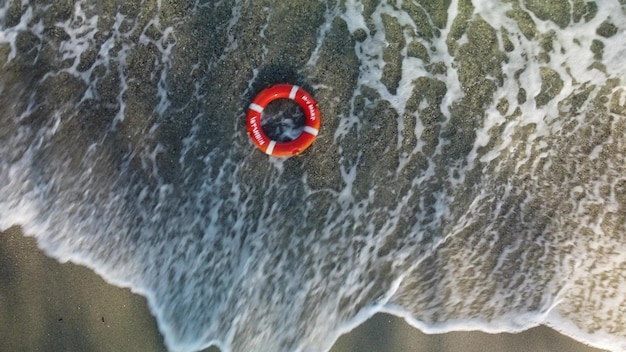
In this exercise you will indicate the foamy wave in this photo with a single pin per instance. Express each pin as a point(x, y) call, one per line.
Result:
point(468, 175)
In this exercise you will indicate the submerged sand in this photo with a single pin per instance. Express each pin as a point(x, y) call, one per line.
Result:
point(49, 306)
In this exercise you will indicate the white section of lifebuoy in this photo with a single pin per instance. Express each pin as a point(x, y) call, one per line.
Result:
point(256, 107)
point(270, 147)
point(292, 94)
point(310, 130)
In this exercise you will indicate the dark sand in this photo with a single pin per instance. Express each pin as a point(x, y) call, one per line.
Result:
point(48, 306)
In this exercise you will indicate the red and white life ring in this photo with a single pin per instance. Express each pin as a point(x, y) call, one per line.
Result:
point(311, 127)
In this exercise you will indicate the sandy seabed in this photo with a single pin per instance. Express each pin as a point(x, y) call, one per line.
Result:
point(49, 306)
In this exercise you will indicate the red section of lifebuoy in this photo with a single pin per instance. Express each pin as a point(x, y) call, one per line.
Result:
point(311, 126)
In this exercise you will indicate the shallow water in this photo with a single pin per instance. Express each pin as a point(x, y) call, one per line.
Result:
point(469, 172)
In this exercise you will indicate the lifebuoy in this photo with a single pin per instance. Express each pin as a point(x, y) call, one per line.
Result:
point(311, 127)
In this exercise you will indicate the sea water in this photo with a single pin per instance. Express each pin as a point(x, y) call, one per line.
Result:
point(469, 172)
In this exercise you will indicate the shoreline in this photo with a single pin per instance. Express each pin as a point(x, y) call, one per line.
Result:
point(51, 306)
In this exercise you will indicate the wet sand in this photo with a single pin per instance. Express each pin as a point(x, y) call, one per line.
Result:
point(48, 306)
